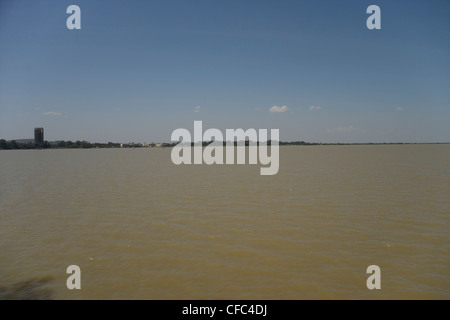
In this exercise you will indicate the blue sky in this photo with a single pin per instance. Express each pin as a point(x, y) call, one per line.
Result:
point(137, 70)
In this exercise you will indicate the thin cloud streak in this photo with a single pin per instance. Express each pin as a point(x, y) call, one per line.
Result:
point(52, 113)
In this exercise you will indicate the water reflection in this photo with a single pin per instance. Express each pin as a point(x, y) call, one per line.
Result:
point(34, 289)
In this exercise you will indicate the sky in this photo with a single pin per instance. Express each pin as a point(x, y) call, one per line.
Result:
point(138, 70)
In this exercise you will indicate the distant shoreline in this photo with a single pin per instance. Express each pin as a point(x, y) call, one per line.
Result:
point(14, 145)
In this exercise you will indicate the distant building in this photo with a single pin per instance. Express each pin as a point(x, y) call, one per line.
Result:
point(38, 136)
point(25, 141)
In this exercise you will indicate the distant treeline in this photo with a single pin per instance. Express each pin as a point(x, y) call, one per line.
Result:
point(13, 144)
point(269, 142)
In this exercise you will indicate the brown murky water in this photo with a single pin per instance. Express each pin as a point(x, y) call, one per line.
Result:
point(140, 227)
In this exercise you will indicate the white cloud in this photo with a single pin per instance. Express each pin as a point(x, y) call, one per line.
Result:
point(315, 108)
point(346, 129)
point(279, 109)
point(197, 109)
point(399, 109)
point(52, 113)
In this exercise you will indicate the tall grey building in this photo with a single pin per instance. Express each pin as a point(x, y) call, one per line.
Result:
point(38, 136)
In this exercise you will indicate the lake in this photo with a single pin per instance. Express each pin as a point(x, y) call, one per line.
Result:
point(140, 227)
